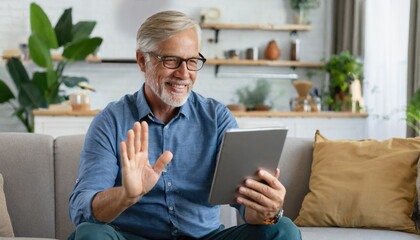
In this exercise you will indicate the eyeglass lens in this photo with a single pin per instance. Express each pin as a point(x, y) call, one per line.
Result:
point(193, 64)
point(173, 62)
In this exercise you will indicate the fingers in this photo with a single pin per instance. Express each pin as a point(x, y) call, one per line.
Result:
point(144, 137)
point(140, 136)
point(163, 160)
point(270, 179)
point(260, 197)
point(277, 173)
point(123, 152)
point(134, 143)
point(130, 144)
point(137, 139)
point(137, 136)
point(263, 196)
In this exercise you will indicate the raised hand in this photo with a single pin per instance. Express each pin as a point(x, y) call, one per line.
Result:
point(138, 176)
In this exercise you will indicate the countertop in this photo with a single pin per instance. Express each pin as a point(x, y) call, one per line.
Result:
point(323, 114)
point(46, 112)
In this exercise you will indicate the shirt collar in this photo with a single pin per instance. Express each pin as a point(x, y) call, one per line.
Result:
point(144, 110)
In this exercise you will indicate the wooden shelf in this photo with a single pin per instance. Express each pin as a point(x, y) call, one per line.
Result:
point(54, 57)
point(90, 58)
point(279, 63)
point(268, 27)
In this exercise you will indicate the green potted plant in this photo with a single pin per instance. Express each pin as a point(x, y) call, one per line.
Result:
point(43, 88)
point(255, 99)
point(412, 112)
point(301, 9)
point(343, 69)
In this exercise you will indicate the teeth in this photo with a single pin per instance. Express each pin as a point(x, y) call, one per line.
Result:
point(180, 86)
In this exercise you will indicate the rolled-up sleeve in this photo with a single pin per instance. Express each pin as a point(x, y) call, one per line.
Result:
point(98, 170)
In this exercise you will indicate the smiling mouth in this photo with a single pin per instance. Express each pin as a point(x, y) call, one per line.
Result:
point(177, 88)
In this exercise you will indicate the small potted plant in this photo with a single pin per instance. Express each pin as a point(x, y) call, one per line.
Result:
point(301, 8)
point(255, 99)
point(343, 70)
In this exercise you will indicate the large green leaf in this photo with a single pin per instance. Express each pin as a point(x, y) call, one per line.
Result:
point(64, 27)
point(39, 51)
point(53, 86)
point(41, 24)
point(47, 83)
point(5, 92)
point(30, 96)
point(39, 79)
point(52, 78)
point(73, 81)
point(81, 49)
point(17, 72)
point(83, 29)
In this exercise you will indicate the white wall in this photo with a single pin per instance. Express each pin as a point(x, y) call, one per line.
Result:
point(117, 23)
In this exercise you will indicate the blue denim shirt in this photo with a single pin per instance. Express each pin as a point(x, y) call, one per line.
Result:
point(178, 204)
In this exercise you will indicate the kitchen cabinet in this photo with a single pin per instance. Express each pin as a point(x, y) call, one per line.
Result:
point(332, 125)
point(59, 123)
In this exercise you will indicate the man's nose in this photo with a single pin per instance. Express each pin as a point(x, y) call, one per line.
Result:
point(182, 72)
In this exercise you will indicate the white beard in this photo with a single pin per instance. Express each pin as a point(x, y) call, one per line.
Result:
point(168, 98)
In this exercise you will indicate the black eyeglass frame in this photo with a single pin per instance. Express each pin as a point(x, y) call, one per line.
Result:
point(180, 60)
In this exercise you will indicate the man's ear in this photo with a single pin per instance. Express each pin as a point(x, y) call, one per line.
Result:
point(141, 61)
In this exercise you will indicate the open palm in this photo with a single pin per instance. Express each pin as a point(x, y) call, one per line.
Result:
point(138, 176)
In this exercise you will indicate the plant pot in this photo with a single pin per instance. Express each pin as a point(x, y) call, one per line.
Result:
point(237, 107)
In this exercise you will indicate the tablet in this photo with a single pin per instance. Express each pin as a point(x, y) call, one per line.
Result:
point(242, 153)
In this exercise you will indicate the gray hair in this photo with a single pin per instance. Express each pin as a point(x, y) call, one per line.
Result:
point(161, 26)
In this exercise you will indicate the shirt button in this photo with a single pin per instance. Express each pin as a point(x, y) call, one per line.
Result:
point(169, 184)
point(171, 208)
point(175, 232)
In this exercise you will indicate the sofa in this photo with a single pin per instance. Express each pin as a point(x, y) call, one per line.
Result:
point(39, 173)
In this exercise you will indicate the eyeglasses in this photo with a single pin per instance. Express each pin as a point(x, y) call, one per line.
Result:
point(173, 62)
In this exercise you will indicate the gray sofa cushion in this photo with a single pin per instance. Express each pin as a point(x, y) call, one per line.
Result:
point(26, 159)
point(66, 155)
point(295, 167)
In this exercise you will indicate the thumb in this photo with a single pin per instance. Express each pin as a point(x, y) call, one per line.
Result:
point(161, 163)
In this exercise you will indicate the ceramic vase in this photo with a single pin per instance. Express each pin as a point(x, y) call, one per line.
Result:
point(272, 52)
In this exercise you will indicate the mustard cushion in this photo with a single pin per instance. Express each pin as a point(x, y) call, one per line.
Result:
point(6, 229)
point(366, 183)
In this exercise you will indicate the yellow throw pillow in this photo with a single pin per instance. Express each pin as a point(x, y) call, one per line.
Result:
point(6, 229)
point(366, 183)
